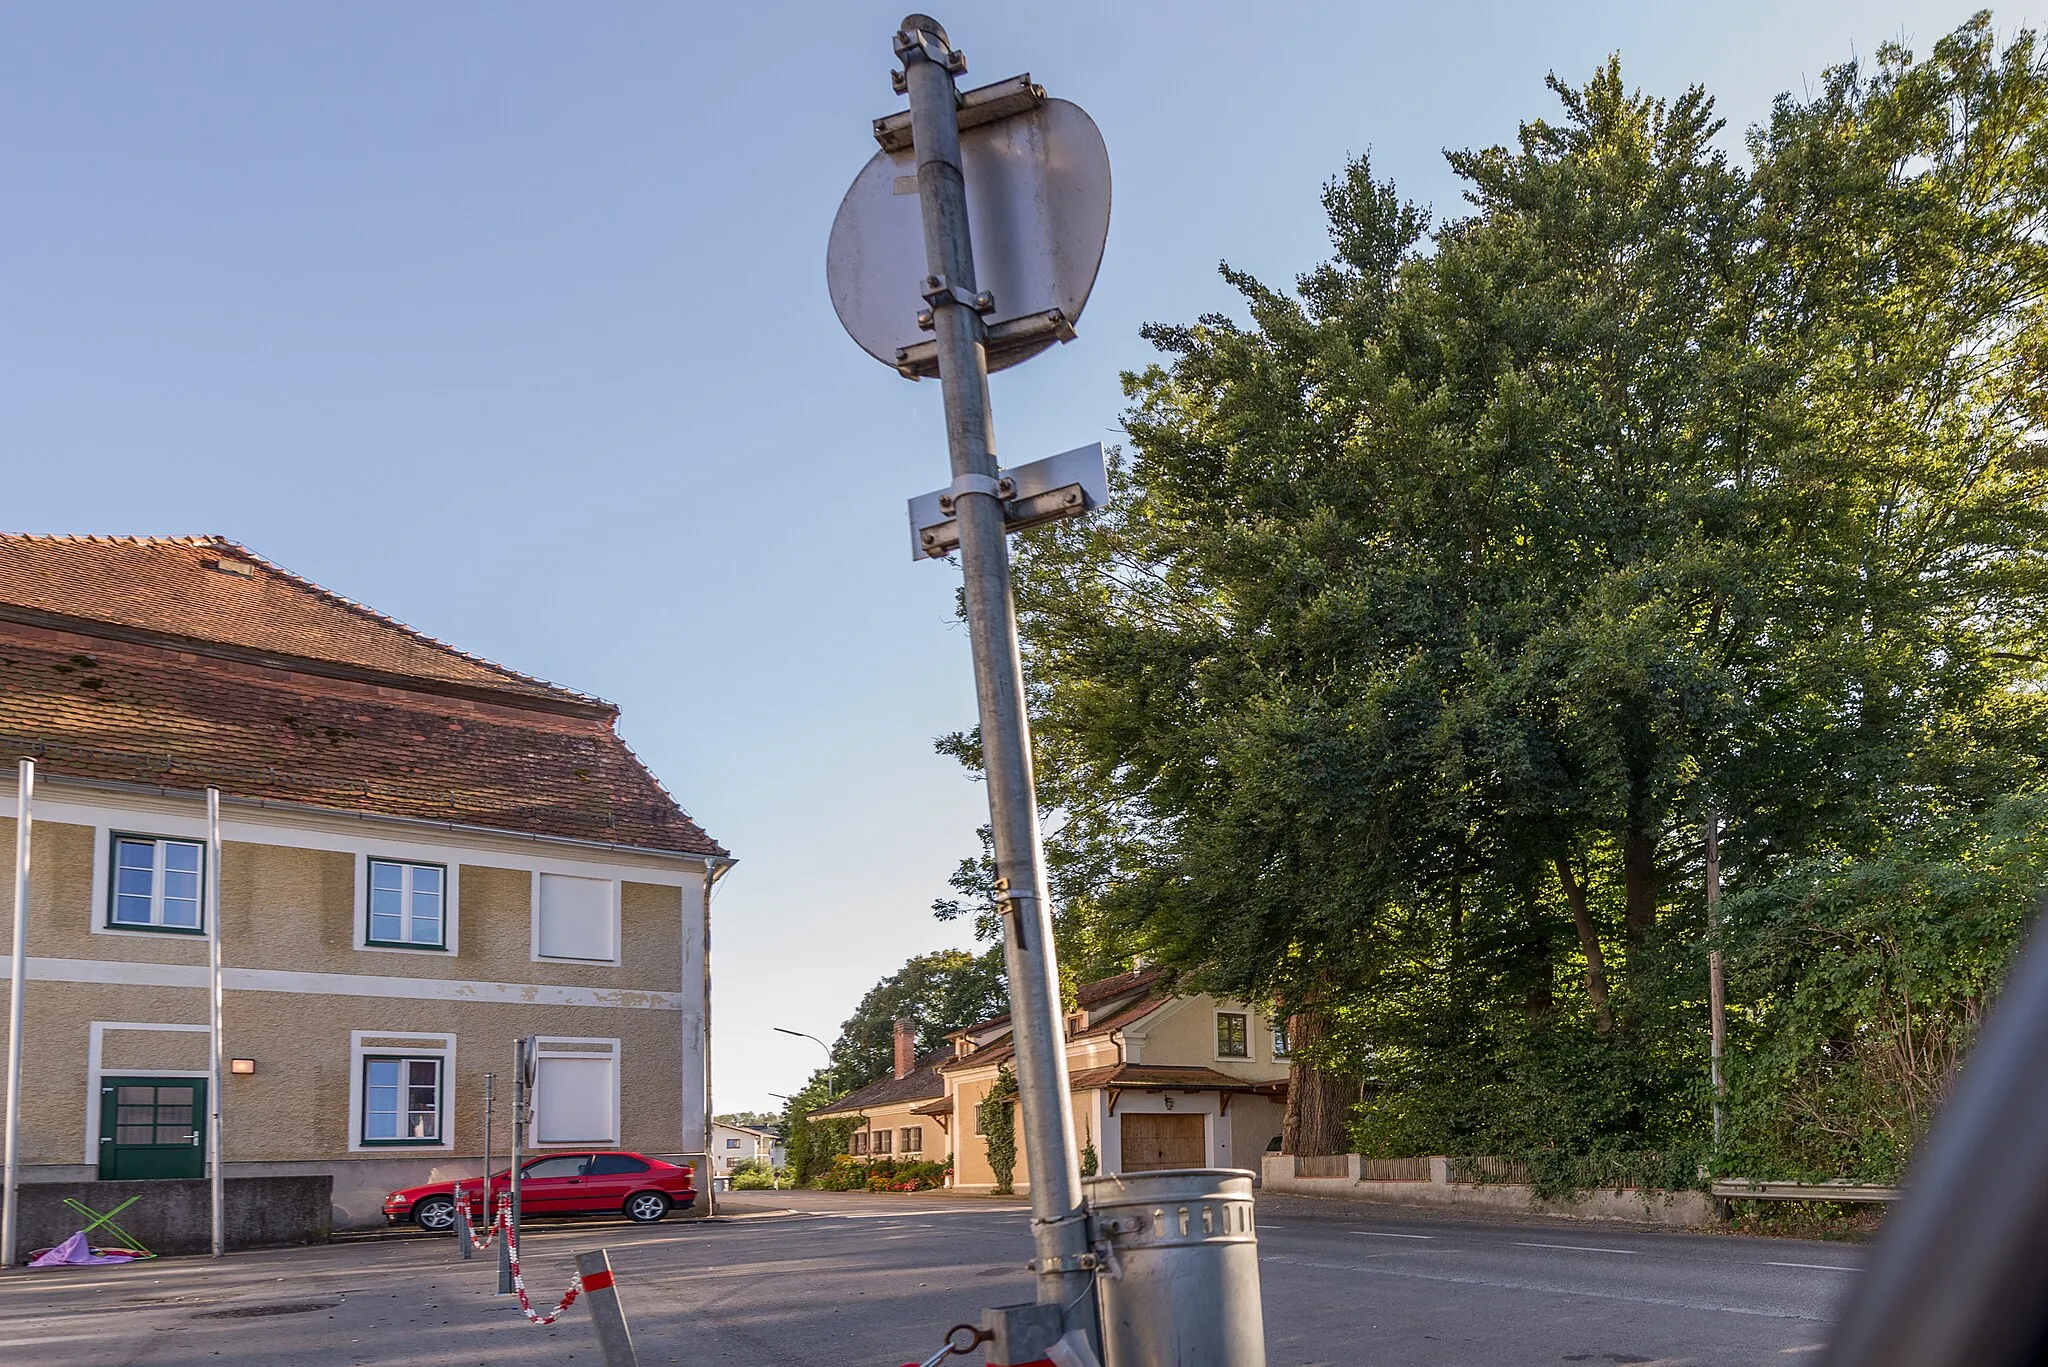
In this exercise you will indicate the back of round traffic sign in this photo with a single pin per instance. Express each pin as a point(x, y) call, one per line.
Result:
point(1038, 216)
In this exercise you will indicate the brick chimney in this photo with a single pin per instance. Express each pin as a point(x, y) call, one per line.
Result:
point(906, 1046)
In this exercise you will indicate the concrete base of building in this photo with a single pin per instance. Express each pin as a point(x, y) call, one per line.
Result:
point(1672, 1209)
point(177, 1216)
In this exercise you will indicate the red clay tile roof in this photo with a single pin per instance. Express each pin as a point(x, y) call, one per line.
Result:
point(1134, 995)
point(1089, 996)
point(173, 586)
point(1167, 1077)
point(919, 1083)
point(148, 697)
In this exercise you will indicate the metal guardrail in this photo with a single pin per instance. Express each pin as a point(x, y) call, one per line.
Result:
point(1743, 1189)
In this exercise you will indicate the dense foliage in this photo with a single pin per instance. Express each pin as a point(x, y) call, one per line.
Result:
point(848, 1173)
point(942, 992)
point(1443, 602)
point(997, 1113)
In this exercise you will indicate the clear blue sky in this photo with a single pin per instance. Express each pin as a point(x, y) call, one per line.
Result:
point(509, 319)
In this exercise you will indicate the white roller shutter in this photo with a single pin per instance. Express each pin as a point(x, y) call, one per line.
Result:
point(576, 1101)
point(576, 918)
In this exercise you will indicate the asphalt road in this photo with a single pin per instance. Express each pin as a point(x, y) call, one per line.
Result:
point(876, 1280)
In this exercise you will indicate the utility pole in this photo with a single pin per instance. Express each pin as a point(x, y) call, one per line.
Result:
point(1059, 1220)
point(217, 1174)
point(17, 977)
point(1717, 988)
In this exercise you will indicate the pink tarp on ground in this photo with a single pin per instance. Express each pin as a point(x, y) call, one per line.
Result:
point(76, 1252)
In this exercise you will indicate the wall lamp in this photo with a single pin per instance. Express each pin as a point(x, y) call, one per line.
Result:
point(242, 1067)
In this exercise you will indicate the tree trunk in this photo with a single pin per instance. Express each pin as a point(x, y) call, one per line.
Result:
point(1589, 942)
point(1541, 998)
point(1639, 883)
point(1319, 1101)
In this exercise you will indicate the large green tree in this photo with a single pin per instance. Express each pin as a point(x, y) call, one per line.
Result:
point(1442, 599)
point(942, 992)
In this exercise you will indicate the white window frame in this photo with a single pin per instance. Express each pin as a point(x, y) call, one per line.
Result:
point(617, 892)
point(367, 1044)
point(581, 1046)
point(105, 884)
point(1250, 1049)
point(1282, 1046)
point(451, 905)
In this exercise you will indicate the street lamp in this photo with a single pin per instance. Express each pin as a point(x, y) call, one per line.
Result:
point(831, 1073)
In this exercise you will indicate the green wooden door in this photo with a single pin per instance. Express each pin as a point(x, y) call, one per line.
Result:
point(152, 1127)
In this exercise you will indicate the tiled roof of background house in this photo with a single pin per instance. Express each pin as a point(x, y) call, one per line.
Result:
point(919, 1084)
point(1111, 1004)
point(1089, 996)
point(1167, 1077)
point(145, 695)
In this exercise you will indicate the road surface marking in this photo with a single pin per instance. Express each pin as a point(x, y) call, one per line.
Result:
point(1383, 1234)
point(1819, 1267)
point(1580, 1248)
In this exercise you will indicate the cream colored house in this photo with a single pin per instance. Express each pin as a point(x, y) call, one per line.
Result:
point(424, 856)
point(896, 1113)
point(1158, 1080)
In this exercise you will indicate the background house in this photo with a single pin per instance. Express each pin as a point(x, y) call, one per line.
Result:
point(895, 1113)
point(732, 1145)
point(1158, 1080)
point(425, 855)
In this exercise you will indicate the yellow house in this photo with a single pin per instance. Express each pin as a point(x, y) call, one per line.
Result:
point(895, 1113)
point(423, 856)
point(1159, 1081)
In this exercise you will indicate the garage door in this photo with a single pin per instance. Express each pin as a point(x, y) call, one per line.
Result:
point(1162, 1141)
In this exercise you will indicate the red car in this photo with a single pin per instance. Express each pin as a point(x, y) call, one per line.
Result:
point(613, 1182)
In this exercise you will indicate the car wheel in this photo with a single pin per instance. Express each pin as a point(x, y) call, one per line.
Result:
point(436, 1214)
point(645, 1207)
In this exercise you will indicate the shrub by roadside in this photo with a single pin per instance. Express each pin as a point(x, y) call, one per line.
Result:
point(848, 1173)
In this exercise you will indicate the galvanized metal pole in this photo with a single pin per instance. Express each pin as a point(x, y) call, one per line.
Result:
point(1059, 1220)
point(1717, 988)
point(25, 783)
point(505, 1287)
point(213, 1137)
point(711, 877)
point(490, 1104)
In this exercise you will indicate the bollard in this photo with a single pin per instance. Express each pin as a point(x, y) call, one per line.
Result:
point(614, 1339)
point(463, 1232)
point(1178, 1268)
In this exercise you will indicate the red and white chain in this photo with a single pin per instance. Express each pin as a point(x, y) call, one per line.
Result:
point(469, 1230)
point(519, 1282)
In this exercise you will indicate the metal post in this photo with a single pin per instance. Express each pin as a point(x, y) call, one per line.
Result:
point(25, 782)
point(614, 1339)
point(1717, 988)
point(490, 1102)
point(1059, 1220)
point(460, 1226)
point(213, 1137)
point(711, 877)
point(505, 1287)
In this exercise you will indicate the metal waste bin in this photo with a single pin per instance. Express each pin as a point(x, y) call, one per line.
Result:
point(1179, 1285)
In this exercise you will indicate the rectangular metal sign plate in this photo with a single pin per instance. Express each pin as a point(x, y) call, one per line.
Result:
point(1042, 493)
